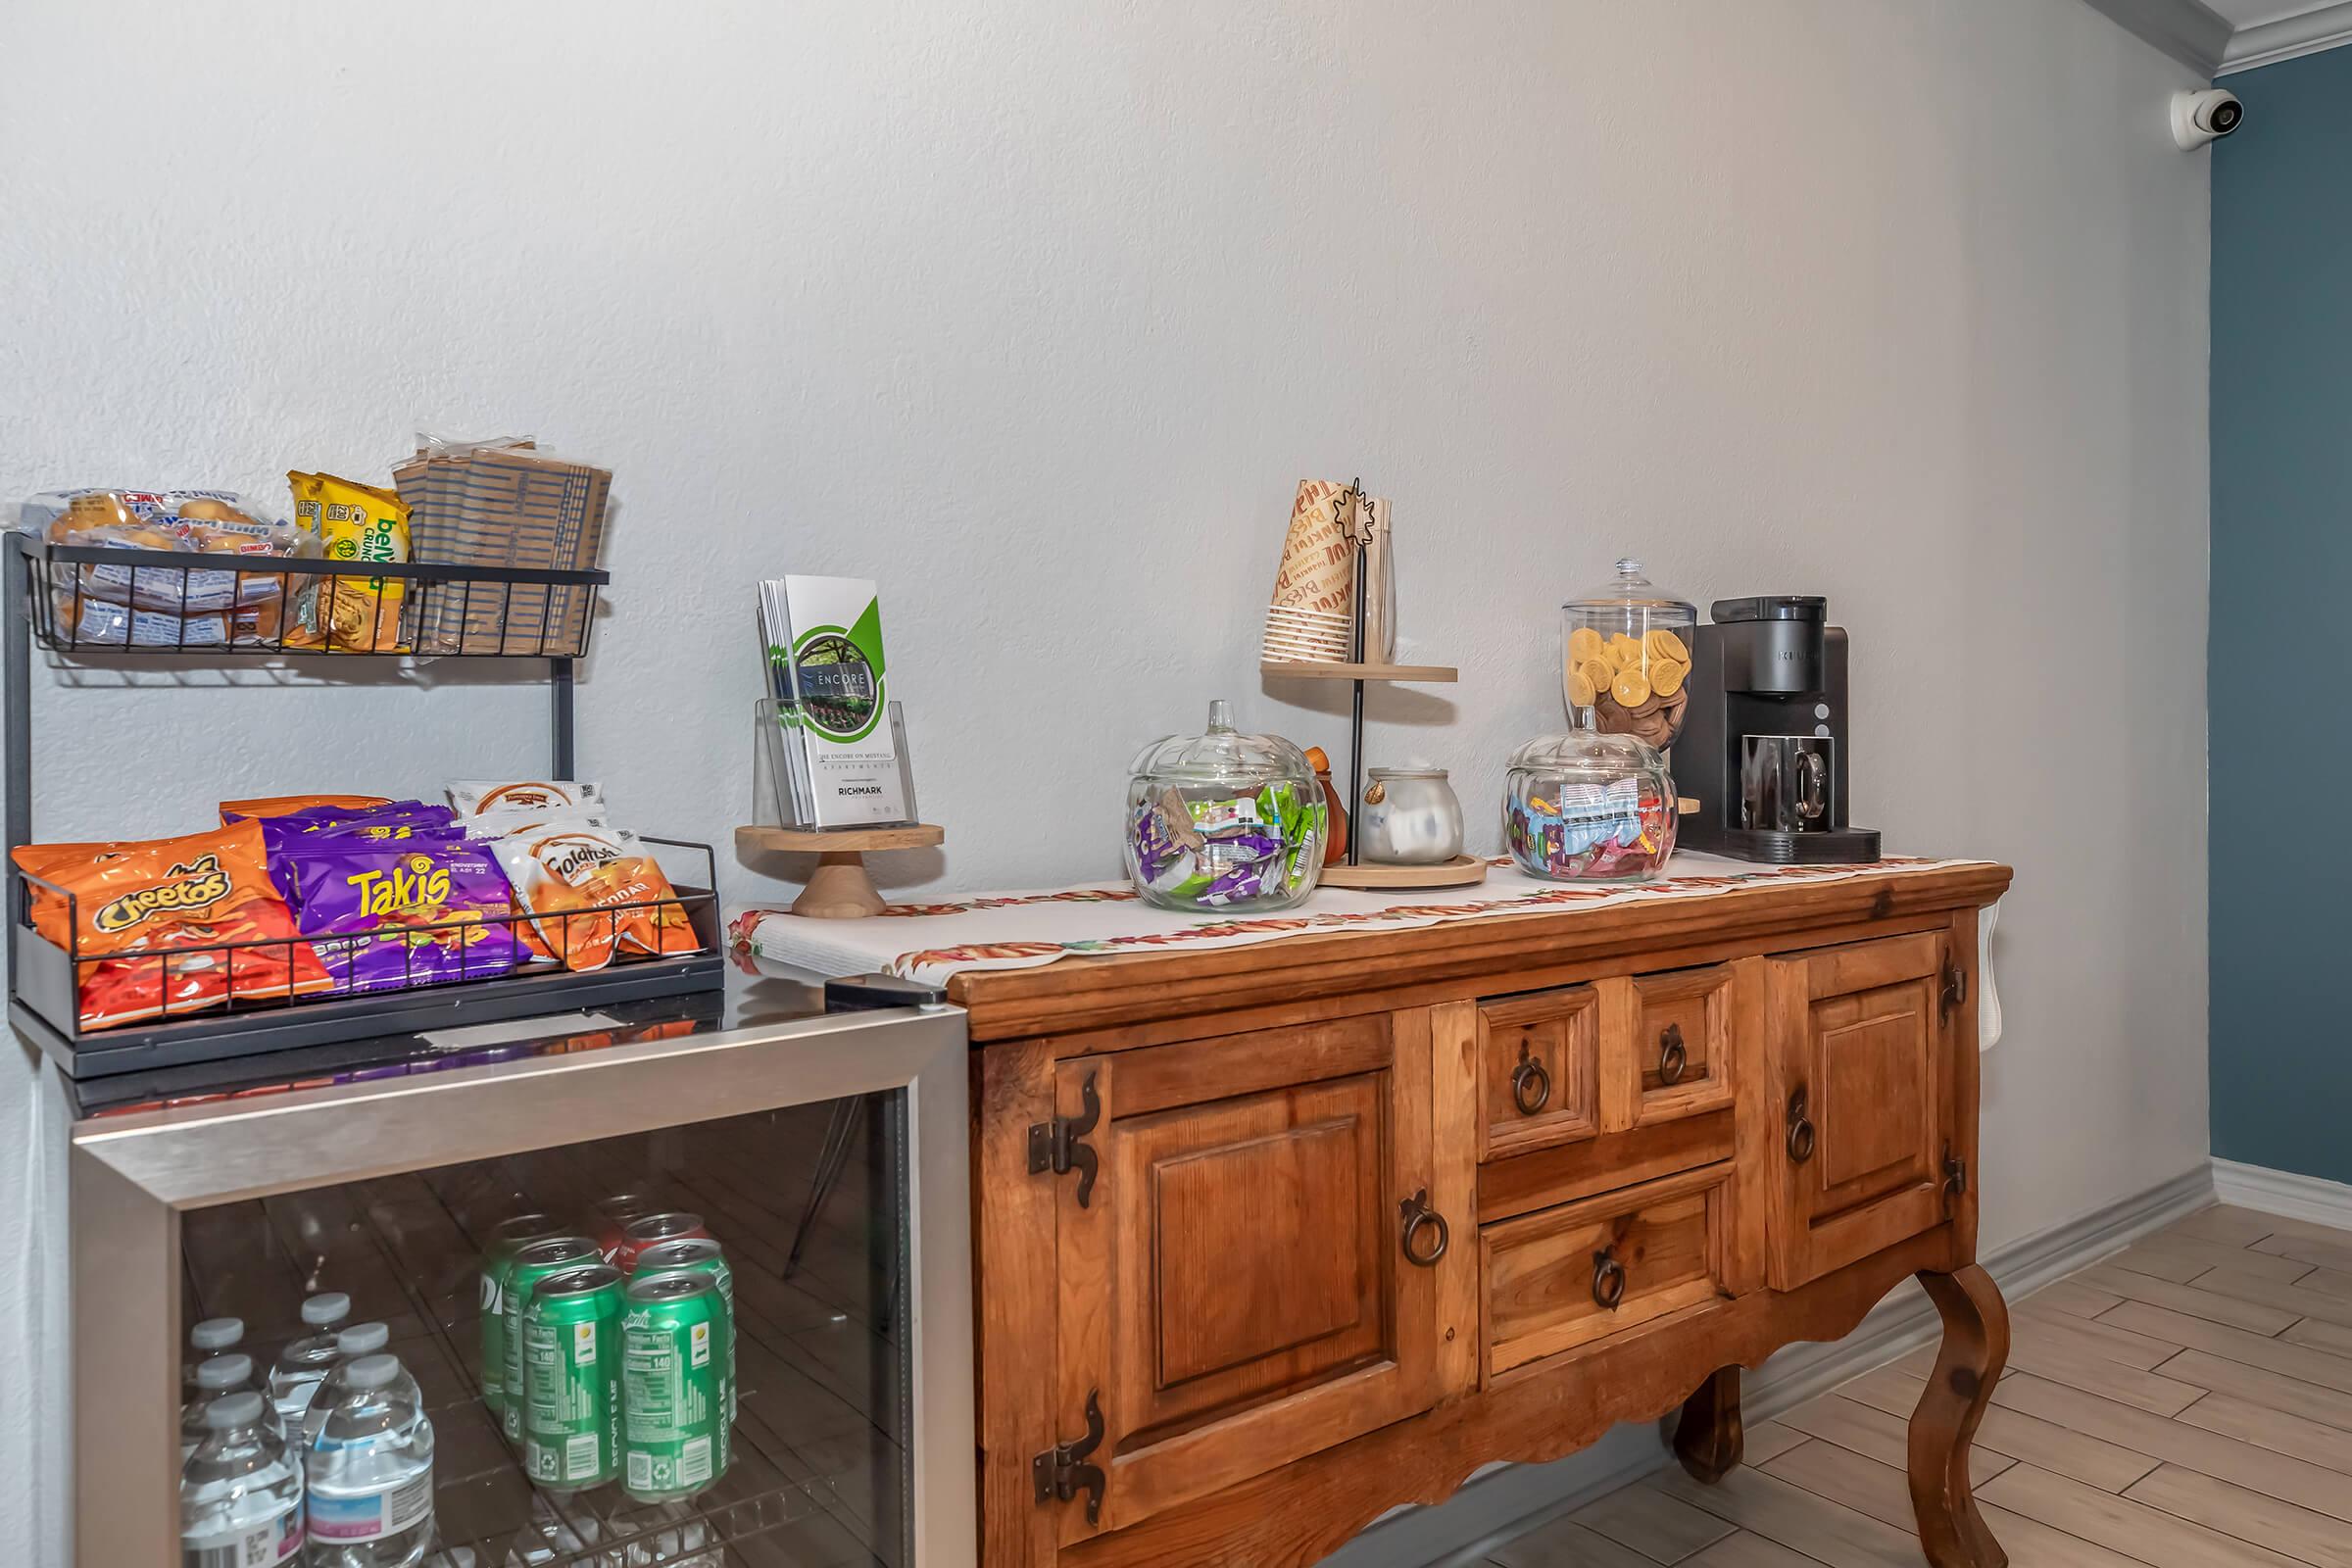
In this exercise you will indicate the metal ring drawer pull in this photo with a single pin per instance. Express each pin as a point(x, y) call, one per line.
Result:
point(1531, 1084)
point(1673, 1054)
point(1801, 1137)
point(1608, 1279)
point(1417, 1213)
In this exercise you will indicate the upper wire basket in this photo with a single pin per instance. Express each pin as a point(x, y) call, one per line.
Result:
point(101, 599)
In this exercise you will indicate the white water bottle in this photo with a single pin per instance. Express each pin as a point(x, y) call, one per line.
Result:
point(369, 1468)
point(302, 1363)
point(240, 1492)
point(216, 1376)
point(215, 1335)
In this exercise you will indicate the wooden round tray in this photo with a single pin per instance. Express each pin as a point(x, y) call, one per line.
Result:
point(840, 888)
point(1459, 873)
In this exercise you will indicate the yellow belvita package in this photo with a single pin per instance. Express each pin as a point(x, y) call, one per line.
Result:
point(355, 523)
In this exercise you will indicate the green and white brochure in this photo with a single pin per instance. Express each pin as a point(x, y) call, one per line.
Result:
point(824, 649)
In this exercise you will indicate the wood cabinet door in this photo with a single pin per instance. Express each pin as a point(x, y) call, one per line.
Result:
point(1236, 1292)
point(1863, 1046)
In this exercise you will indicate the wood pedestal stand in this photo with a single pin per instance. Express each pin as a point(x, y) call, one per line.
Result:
point(839, 889)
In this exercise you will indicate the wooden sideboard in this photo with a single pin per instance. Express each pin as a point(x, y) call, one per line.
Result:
point(1273, 1238)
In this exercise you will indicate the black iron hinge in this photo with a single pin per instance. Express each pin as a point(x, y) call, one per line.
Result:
point(1056, 1145)
point(1061, 1471)
point(1955, 1173)
point(1955, 992)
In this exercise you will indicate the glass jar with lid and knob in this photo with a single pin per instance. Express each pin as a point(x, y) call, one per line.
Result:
point(1223, 820)
point(1625, 653)
point(1589, 806)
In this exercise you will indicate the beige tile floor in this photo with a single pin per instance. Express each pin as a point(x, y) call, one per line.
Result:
point(2186, 1404)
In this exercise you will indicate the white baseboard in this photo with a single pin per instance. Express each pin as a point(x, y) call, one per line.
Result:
point(1514, 1499)
point(2283, 1192)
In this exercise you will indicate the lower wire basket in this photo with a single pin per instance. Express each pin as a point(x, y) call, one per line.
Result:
point(46, 983)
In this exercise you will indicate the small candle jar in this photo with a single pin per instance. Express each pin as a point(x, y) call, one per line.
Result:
point(1411, 817)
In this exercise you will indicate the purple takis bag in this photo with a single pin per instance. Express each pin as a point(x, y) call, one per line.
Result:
point(384, 915)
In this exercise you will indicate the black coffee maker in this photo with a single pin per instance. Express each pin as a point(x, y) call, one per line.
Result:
point(1763, 747)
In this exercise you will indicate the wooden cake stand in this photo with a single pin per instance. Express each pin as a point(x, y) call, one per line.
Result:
point(1462, 869)
point(839, 889)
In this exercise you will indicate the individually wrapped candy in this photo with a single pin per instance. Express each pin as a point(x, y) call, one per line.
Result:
point(1227, 848)
point(1591, 831)
point(1165, 841)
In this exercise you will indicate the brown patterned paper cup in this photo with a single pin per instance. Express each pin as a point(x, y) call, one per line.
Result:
point(1318, 558)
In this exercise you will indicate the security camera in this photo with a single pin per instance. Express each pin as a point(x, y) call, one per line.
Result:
point(2202, 117)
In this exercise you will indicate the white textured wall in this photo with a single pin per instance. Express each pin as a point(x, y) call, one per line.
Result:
point(1036, 310)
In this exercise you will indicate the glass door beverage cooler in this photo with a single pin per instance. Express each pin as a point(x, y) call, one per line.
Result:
point(680, 1282)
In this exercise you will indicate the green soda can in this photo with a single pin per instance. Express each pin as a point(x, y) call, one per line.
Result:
point(673, 1386)
point(571, 1377)
point(533, 1262)
point(497, 1264)
point(698, 1255)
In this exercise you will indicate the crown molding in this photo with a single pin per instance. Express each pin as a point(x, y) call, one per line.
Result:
point(2193, 33)
point(2306, 33)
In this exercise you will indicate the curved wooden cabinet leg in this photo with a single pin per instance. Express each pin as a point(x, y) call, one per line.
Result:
point(1975, 1346)
point(1708, 1438)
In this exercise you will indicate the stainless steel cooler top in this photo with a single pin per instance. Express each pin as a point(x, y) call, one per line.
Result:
point(761, 998)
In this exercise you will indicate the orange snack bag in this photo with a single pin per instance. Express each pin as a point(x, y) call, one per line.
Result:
point(288, 804)
point(577, 880)
point(148, 919)
point(43, 860)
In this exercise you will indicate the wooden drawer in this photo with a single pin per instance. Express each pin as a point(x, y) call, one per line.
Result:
point(1539, 1071)
point(1681, 1047)
point(1566, 1277)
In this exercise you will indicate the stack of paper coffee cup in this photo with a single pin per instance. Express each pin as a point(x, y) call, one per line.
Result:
point(1312, 615)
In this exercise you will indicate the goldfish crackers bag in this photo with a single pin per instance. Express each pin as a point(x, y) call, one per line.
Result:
point(592, 890)
point(144, 913)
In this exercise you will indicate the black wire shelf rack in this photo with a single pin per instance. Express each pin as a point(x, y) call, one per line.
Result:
point(55, 597)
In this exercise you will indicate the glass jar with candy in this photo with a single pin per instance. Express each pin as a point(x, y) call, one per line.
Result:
point(1223, 821)
point(1586, 807)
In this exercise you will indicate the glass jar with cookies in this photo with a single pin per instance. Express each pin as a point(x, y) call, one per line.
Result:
point(1625, 655)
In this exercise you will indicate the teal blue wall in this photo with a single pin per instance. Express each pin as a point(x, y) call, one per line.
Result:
point(2279, 675)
